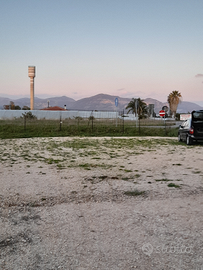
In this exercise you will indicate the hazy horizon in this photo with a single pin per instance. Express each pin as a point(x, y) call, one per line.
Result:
point(82, 48)
point(44, 96)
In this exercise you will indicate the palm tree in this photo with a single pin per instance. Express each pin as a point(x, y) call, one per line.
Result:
point(137, 105)
point(174, 98)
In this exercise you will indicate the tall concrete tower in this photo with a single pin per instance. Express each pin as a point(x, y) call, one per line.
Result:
point(31, 75)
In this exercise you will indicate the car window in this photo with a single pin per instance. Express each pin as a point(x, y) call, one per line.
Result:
point(197, 116)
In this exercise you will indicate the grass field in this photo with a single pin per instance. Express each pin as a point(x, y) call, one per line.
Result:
point(26, 128)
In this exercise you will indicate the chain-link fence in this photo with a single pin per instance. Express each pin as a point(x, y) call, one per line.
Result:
point(74, 123)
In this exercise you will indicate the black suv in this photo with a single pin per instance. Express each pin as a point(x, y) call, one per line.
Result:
point(192, 129)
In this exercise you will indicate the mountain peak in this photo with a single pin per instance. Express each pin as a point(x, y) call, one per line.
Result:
point(99, 102)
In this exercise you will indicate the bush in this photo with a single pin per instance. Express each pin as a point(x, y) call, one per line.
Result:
point(29, 115)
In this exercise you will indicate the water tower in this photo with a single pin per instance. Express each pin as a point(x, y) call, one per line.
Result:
point(31, 75)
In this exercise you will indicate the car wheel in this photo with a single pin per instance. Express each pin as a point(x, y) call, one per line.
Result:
point(179, 138)
point(188, 140)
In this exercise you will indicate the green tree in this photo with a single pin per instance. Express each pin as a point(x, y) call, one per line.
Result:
point(12, 105)
point(29, 115)
point(174, 98)
point(6, 107)
point(137, 105)
point(25, 108)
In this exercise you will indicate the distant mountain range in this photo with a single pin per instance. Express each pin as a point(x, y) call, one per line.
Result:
point(100, 102)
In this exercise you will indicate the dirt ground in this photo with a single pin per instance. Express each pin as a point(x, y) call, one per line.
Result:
point(101, 203)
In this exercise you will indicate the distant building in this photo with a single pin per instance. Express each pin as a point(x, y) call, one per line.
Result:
point(185, 116)
point(55, 108)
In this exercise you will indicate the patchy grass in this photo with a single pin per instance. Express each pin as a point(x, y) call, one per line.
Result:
point(196, 172)
point(126, 178)
point(163, 180)
point(134, 193)
point(85, 166)
point(42, 173)
point(88, 165)
point(173, 185)
point(102, 177)
point(60, 166)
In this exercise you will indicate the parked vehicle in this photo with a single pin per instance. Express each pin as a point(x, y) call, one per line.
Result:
point(192, 129)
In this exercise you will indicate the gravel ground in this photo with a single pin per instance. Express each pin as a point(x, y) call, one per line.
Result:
point(101, 203)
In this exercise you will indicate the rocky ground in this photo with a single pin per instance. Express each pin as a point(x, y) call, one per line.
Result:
point(101, 203)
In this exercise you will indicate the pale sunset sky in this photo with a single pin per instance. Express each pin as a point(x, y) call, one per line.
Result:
point(81, 48)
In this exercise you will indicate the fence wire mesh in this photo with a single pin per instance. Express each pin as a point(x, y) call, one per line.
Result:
point(70, 123)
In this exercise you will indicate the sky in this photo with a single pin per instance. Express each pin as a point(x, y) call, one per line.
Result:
point(81, 48)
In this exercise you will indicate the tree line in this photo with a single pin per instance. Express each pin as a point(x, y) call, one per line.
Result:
point(138, 107)
point(12, 106)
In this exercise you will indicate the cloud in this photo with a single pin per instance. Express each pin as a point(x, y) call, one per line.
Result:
point(198, 75)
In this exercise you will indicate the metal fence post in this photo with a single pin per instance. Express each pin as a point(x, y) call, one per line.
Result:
point(60, 122)
point(24, 122)
point(123, 120)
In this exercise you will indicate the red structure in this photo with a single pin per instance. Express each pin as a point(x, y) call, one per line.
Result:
point(55, 108)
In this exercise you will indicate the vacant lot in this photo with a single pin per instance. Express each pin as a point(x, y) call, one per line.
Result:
point(101, 203)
